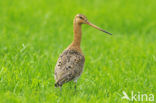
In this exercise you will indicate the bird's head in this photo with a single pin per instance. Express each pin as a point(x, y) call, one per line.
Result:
point(81, 19)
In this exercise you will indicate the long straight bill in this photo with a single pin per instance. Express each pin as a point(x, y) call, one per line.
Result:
point(98, 28)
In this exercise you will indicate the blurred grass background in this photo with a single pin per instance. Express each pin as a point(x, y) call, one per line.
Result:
point(34, 32)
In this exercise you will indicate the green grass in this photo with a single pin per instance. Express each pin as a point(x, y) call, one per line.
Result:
point(34, 32)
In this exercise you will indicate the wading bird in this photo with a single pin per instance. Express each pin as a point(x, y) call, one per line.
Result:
point(70, 63)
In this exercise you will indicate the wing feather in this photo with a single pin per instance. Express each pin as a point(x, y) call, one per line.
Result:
point(69, 66)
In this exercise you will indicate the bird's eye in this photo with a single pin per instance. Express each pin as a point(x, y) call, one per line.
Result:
point(81, 17)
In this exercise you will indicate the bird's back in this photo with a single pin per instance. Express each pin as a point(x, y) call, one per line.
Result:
point(69, 66)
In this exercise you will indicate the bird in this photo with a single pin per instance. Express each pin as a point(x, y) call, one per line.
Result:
point(70, 63)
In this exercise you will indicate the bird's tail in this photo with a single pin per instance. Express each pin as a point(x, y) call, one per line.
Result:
point(57, 84)
point(65, 78)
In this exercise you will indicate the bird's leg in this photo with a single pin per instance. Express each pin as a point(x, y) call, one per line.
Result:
point(75, 81)
point(60, 89)
point(75, 87)
point(70, 85)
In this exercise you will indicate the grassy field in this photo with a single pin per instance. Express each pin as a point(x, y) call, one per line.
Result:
point(34, 32)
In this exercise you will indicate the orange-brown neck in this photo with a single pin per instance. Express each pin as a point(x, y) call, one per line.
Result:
point(77, 36)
